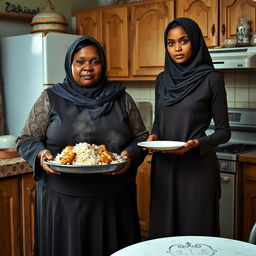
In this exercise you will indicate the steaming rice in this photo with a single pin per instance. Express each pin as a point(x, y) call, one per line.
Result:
point(86, 154)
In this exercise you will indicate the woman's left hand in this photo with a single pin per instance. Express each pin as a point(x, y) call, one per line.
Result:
point(126, 156)
point(189, 145)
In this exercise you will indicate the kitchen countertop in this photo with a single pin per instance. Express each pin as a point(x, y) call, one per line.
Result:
point(14, 166)
point(249, 157)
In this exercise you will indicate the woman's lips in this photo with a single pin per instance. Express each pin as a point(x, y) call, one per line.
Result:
point(87, 77)
point(179, 56)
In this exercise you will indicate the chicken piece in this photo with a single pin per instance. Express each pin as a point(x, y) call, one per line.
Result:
point(68, 155)
point(101, 148)
point(107, 157)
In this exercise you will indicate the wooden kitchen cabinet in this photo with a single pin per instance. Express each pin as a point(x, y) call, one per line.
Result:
point(231, 11)
point(89, 23)
point(131, 35)
point(148, 23)
point(115, 41)
point(249, 196)
point(17, 215)
point(10, 230)
point(27, 213)
point(205, 13)
point(143, 194)
point(110, 27)
point(217, 18)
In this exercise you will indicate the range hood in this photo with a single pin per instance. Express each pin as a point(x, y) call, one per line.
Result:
point(234, 58)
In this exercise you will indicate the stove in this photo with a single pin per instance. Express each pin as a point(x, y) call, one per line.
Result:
point(243, 139)
point(231, 151)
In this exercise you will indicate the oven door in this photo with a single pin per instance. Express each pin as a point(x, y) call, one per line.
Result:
point(227, 205)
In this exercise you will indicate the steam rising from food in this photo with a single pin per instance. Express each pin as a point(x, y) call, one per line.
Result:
point(86, 129)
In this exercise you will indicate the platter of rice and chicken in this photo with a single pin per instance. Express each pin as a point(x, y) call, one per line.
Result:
point(86, 158)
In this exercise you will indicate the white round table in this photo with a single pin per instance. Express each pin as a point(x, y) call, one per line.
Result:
point(189, 246)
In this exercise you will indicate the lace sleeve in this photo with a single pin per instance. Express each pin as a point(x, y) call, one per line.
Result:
point(135, 121)
point(37, 121)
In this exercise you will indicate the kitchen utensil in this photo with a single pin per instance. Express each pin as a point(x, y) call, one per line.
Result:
point(7, 141)
point(82, 169)
point(161, 144)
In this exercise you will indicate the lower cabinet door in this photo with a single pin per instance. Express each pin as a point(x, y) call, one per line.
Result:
point(28, 204)
point(10, 232)
point(143, 194)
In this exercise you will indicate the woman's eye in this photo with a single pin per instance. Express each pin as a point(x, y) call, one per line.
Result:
point(79, 62)
point(95, 62)
point(171, 43)
point(184, 41)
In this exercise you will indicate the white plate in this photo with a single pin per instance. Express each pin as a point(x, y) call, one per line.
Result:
point(86, 168)
point(161, 144)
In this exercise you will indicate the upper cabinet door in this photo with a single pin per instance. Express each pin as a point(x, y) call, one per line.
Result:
point(89, 23)
point(205, 13)
point(149, 21)
point(231, 11)
point(115, 41)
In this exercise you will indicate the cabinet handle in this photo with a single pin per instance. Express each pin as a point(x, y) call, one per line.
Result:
point(30, 194)
point(213, 29)
point(223, 29)
point(149, 160)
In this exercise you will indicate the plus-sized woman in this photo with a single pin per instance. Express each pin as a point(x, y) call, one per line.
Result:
point(90, 214)
point(185, 183)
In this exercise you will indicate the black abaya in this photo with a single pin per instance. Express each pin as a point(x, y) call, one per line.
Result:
point(83, 214)
point(185, 189)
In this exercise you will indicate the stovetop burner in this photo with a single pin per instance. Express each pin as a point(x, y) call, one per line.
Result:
point(235, 148)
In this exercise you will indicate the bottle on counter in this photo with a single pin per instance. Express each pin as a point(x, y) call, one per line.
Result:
point(242, 32)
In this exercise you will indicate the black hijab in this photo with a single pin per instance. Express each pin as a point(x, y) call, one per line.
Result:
point(181, 79)
point(98, 99)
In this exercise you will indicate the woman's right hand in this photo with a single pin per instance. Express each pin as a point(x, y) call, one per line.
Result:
point(152, 137)
point(44, 155)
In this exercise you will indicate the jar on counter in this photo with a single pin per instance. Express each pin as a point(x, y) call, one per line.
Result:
point(253, 38)
point(242, 32)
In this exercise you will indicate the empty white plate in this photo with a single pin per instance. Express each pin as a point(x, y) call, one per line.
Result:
point(161, 144)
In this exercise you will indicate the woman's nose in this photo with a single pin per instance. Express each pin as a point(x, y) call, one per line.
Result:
point(177, 47)
point(87, 66)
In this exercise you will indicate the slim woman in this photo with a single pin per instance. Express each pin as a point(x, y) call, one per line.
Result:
point(84, 214)
point(185, 183)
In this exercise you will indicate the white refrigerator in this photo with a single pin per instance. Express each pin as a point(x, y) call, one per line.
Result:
point(29, 64)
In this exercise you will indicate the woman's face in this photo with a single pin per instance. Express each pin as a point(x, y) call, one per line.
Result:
point(178, 45)
point(86, 66)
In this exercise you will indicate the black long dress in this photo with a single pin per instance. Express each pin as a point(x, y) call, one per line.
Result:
point(185, 189)
point(83, 214)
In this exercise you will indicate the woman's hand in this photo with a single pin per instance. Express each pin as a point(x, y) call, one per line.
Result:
point(126, 156)
point(44, 155)
point(189, 145)
point(152, 137)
